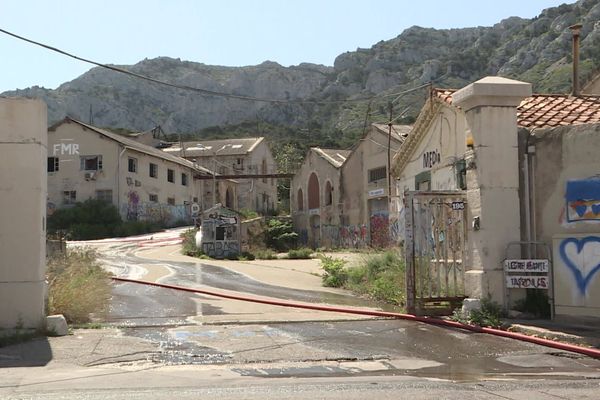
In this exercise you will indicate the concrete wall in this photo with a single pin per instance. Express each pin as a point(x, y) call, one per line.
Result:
point(318, 227)
point(131, 191)
point(567, 213)
point(22, 212)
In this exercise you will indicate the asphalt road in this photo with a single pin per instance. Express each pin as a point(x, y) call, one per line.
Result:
point(169, 344)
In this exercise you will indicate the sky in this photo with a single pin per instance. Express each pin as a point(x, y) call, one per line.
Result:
point(218, 32)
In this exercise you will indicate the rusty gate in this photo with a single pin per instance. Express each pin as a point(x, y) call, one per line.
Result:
point(435, 251)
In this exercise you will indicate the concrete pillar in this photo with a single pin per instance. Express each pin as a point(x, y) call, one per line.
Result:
point(490, 106)
point(23, 192)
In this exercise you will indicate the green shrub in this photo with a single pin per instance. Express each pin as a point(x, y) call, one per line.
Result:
point(95, 219)
point(302, 253)
point(248, 214)
point(265, 254)
point(335, 272)
point(77, 286)
point(188, 246)
point(279, 235)
point(488, 316)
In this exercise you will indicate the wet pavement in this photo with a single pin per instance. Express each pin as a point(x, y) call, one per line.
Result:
point(178, 329)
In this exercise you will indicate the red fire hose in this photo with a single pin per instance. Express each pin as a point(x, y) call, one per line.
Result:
point(591, 352)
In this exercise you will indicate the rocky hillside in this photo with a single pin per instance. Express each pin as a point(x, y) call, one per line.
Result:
point(535, 50)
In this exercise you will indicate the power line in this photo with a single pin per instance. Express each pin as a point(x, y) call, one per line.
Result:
point(205, 92)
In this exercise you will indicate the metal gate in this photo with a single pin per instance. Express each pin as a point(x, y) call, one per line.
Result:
point(435, 251)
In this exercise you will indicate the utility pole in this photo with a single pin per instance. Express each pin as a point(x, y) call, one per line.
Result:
point(389, 152)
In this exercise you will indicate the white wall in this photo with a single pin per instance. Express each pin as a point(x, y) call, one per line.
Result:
point(22, 212)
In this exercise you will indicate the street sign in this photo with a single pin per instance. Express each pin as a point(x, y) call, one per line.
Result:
point(458, 205)
point(520, 265)
point(527, 282)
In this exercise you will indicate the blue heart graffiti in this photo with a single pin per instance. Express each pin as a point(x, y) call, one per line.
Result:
point(581, 280)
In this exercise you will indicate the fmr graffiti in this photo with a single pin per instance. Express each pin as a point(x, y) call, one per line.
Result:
point(581, 256)
point(583, 200)
point(65, 148)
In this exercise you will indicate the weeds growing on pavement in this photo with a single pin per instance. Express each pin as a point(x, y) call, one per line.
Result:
point(265, 254)
point(379, 276)
point(77, 286)
point(300, 254)
point(488, 315)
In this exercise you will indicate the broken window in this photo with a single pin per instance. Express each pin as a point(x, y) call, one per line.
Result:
point(132, 164)
point(153, 170)
point(377, 174)
point(90, 163)
point(52, 164)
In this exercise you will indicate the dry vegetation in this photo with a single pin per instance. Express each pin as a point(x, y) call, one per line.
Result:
point(78, 287)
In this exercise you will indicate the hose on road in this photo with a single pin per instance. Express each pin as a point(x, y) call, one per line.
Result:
point(591, 352)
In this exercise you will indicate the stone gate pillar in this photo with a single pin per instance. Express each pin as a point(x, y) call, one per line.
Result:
point(490, 106)
point(23, 192)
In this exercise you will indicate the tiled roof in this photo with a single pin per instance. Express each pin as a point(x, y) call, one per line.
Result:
point(207, 148)
point(333, 156)
point(548, 110)
point(134, 145)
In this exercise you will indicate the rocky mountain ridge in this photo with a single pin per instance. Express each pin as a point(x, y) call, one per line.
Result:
point(535, 50)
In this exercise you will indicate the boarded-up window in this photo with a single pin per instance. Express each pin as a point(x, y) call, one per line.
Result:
point(313, 192)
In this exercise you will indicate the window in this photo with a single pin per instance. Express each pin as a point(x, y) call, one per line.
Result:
point(171, 201)
point(171, 175)
point(104, 195)
point(153, 198)
point(153, 170)
point(377, 174)
point(52, 164)
point(90, 163)
point(263, 169)
point(132, 164)
point(300, 200)
point(239, 163)
point(328, 194)
point(69, 197)
point(195, 200)
point(184, 179)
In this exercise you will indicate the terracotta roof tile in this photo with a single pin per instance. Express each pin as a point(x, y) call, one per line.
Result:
point(548, 110)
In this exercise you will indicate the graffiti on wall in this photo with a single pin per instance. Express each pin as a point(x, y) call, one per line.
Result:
point(335, 236)
point(164, 214)
point(220, 235)
point(221, 249)
point(582, 200)
point(380, 230)
point(581, 256)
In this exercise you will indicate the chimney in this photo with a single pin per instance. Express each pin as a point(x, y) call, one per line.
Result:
point(575, 29)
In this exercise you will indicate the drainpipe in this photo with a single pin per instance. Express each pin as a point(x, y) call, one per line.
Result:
point(576, 30)
point(119, 179)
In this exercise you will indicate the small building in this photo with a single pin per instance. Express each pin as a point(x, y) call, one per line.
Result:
point(221, 231)
point(240, 156)
point(315, 197)
point(144, 183)
point(367, 189)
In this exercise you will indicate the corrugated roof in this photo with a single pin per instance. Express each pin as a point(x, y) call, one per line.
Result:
point(399, 132)
point(137, 146)
point(333, 156)
point(207, 148)
point(548, 110)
